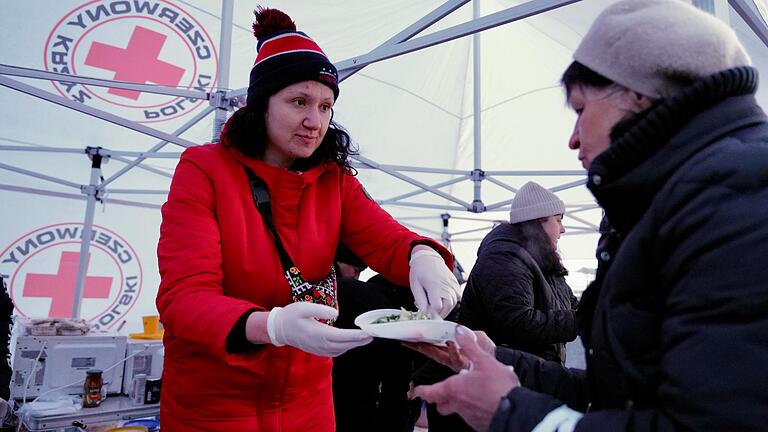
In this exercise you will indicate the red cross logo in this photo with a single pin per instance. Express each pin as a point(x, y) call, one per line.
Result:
point(137, 62)
point(60, 288)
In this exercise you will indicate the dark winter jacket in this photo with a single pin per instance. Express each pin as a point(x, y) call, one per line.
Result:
point(6, 323)
point(518, 300)
point(676, 325)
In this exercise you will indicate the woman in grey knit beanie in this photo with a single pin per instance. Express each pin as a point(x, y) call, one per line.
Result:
point(516, 291)
point(675, 324)
point(535, 203)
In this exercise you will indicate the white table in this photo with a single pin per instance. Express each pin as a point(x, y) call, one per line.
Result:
point(114, 408)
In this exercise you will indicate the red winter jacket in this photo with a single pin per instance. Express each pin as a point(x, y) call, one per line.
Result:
point(218, 260)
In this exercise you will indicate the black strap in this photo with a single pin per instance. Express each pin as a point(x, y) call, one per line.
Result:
point(261, 200)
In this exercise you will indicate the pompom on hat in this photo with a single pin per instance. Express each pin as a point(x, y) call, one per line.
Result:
point(532, 202)
point(657, 47)
point(285, 56)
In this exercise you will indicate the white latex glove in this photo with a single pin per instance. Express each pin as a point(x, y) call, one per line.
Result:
point(435, 288)
point(296, 325)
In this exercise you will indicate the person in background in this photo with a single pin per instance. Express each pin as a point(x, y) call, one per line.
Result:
point(517, 291)
point(249, 231)
point(675, 324)
point(6, 329)
point(371, 382)
point(347, 264)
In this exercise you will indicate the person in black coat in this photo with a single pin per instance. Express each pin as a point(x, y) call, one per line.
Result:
point(675, 326)
point(6, 324)
point(517, 291)
point(370, 383)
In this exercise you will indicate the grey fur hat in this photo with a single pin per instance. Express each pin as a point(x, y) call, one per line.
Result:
point(656, 47)
point(533, 201)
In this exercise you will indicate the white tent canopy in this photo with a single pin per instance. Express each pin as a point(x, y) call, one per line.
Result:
point(448, 124)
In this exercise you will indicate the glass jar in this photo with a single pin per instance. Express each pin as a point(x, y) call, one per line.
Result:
point(92, 388)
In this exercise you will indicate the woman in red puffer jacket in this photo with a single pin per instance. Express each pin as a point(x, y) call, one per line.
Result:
point(246, 252)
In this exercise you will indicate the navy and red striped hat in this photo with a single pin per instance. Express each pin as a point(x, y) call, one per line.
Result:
point(286, 56)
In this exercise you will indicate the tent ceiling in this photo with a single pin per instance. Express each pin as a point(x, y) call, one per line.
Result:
point(411, 115)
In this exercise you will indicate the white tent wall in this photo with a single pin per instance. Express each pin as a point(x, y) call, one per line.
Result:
point(39, 229)
point(120, 253)
point(413, 110)
point(525, 123)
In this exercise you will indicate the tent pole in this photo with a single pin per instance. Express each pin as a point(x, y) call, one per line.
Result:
point(347, 68)
point(225, 52)
point(754, 20)
point(477, 173)
point(86, 109)
point(718, 8)
point(396, 174)
point(137, 162)
point(514, 13)
point(421, 191)
point(392, 48)
point(91, 191)
point(62, 77)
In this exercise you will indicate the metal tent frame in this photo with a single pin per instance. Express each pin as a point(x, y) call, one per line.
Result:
point(222, 102)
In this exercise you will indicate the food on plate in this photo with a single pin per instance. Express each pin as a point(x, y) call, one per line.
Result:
point(406, 326)
point(404, 315)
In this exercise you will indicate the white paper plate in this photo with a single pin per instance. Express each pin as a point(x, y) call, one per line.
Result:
point(431, 331)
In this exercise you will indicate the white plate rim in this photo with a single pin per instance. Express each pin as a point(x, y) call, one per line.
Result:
point(438, 331)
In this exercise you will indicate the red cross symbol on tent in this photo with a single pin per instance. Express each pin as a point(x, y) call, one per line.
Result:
point(138, 62)
point(60, 287)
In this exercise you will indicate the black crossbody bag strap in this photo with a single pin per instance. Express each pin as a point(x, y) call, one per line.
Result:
point(261, 200)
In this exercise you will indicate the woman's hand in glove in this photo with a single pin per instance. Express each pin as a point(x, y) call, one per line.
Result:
point(296, 325)
point(435, 289)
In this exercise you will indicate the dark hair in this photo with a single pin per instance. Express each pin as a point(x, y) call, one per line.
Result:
point(577, 74)
point(247, 131)
point(537, 243)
